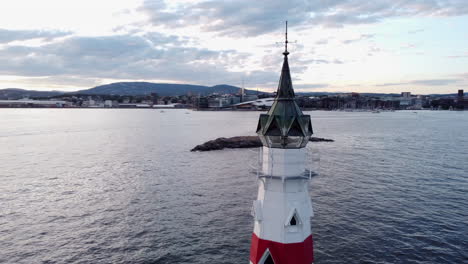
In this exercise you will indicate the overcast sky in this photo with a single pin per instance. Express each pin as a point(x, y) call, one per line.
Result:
point(342, 45)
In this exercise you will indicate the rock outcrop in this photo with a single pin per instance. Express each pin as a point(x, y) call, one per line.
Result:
point(240, 142)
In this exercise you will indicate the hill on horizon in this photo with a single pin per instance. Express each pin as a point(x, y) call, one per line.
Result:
point(162, 89)
point(17, 93)
point(128, 88)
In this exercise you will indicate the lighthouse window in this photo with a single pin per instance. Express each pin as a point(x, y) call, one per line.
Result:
point(267, 258)
point(293, 221)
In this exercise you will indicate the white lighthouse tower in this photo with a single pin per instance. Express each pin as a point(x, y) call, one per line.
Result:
point(282, 211)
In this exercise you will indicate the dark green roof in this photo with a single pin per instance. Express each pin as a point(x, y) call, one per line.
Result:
point(285, 119)
point(285, 88)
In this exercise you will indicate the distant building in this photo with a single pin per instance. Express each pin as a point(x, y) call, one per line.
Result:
point(175, 105)
point(33, 103)
point(406, 101)
point(264, 103)
point(249, 97)
point(217, 102)
point(89, 103)
point(201, 102)
point(223, 101)
point(462, 103)
point(406, 94)
point(134, 105)
point(108, 103)
point(154, 98)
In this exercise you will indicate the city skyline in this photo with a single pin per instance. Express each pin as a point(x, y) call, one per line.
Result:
point(342, 46)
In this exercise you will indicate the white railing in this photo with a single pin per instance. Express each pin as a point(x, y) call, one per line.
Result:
point(312, 160)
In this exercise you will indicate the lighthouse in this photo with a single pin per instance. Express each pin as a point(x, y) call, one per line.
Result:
point(282, 212)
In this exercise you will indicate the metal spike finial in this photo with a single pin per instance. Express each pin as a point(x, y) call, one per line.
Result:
point(286, 41)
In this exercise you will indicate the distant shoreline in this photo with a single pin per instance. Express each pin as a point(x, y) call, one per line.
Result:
point(236, 110)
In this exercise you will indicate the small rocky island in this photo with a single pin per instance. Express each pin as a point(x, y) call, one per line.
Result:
point(240, 142)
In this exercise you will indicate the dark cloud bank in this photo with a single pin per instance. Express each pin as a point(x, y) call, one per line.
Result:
point(158, 56)
point(153, 56)
point(7, 36)
point(251, 18)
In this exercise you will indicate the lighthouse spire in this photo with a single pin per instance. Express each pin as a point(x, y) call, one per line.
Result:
point(285, 88)
point(284, 126)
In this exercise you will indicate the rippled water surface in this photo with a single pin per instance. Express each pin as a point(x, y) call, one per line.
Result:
point(121, 186)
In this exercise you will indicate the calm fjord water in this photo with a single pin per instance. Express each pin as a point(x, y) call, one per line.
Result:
point(121, 186)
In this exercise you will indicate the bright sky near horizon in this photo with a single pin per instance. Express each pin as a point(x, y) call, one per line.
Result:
point(384, 46)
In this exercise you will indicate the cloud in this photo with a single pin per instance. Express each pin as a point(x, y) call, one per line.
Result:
point(464, 75)
point(62, 81)
point(361, 37)
point(416, 31)
point(244, 18)
point(408, 46)
point(151, 56)
point(460, 56)
point(430, 82)
point(436, 82)
point(235, 18)
point(158, 39)
point(322, 61)
point(311, 86)
point(374, 49)
point(392, 84)
point(322, 42)
point(7, 36)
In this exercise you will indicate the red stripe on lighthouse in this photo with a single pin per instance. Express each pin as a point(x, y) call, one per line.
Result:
point(293, 253)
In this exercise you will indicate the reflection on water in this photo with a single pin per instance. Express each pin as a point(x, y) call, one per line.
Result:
point(121, 186)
